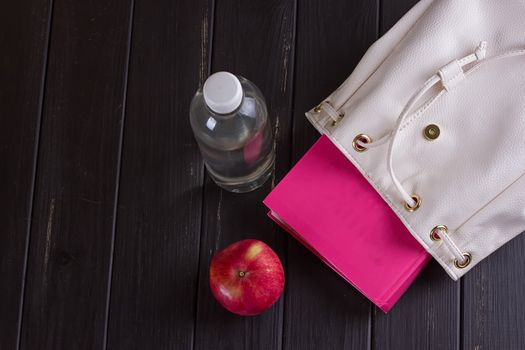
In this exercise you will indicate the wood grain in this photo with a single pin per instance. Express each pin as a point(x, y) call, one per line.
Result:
point(426, 316)
point(24, 32)
point(322, 311)
point(109, 220)
point(429, 311)
point(253, 39)
point(493, 300)
point(72, 232)
point(159, 215)
point(391, 11)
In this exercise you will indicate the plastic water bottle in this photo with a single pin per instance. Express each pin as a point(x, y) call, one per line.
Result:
point(229, 119)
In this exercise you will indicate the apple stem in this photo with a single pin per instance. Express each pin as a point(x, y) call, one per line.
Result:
point(242, 273)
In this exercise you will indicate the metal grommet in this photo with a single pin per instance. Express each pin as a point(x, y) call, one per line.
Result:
point(317, 109)
point(434, 235)
point(415, 207)
point(364, 139)
point(462, 265)
point(431, 132)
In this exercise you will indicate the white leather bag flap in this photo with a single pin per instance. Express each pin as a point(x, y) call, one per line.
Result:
point(440, 102)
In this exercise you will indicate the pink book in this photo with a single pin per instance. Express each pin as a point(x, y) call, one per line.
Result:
point(327, 204)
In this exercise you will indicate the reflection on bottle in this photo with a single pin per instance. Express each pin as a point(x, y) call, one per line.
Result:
point(252, 149)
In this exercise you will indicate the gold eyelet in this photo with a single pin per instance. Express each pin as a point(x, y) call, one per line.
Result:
point(317, 109)
point(434, 234)
point(462, 265)
point(364, 139)
point(416, 206)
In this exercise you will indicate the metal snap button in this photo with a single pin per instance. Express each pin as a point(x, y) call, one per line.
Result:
point(431, 132)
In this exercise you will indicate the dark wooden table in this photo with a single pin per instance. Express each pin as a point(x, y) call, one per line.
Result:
point(108, 220)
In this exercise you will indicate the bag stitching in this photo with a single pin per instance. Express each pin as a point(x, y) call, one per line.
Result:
point(476, 213)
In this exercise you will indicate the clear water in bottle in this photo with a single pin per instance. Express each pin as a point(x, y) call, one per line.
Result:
point(229, 119)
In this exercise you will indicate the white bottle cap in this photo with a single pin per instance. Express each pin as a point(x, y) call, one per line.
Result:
point(222, 92)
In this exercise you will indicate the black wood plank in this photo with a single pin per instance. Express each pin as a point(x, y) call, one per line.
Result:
point(493, 302)
point(428, 314)
point(429, 311)
point(253, 39)
point(159, 215)
point(24, 32)
point(73, 218)
point(322, 311)
point(391, 11)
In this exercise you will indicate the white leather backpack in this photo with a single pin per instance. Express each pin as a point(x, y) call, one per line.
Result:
point(434, 117)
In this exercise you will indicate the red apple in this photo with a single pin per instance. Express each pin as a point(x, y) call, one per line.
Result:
point(246, 277)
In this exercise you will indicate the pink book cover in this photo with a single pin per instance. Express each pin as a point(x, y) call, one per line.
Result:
point(327, 204)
